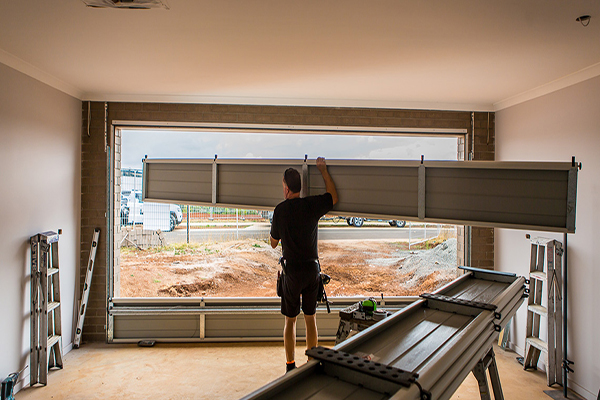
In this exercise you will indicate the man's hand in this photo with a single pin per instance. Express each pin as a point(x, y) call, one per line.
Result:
point(321, 164)
point(329, 185)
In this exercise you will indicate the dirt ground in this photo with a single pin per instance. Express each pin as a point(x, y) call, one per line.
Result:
point(248, 268)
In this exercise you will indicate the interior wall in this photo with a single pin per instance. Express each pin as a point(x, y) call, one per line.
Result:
point(554, 128)
point(40, 162)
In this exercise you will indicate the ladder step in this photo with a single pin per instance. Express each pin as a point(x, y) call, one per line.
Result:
point(52, 340)
point(545, 260)
point(539, 275)
point(540, 241)
point(52, 271)
point(53, 305)
point(538, 343)
point(537, 309)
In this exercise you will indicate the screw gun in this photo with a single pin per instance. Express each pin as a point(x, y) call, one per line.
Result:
point(9, 384)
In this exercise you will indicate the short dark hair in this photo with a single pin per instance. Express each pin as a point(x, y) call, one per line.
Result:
point(292, 179)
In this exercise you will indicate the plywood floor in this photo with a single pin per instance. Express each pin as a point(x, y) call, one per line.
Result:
point(213, 371)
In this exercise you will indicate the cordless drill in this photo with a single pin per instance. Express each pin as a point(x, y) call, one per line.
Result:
point(9, 384)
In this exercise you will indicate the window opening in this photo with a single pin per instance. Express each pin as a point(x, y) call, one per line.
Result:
point(179, 250)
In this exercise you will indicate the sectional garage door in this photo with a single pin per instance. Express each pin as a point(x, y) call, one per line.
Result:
point(521, 195)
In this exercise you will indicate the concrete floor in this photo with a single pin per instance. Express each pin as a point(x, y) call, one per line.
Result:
point(214, 371)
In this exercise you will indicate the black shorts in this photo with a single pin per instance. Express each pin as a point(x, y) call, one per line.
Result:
point(300, 280)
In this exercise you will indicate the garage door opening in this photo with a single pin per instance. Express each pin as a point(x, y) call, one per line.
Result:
point(180, 250)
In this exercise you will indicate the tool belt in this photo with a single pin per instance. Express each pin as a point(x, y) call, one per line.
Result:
point(324, 280)
point(280, 277)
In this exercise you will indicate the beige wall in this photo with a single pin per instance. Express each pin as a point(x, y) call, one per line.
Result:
point(554, 128)
point(40, 183)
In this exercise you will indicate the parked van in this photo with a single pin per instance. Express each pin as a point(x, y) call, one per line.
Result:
point(133, 209)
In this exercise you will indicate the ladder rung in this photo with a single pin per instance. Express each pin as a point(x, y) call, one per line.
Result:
point(540, 310)
point(540, 241)
point(52, 271)
point(53, 305)
point(538, 343)
point(52, 340)
point(539, 275)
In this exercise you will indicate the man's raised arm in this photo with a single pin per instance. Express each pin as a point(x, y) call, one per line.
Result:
point(329, 185)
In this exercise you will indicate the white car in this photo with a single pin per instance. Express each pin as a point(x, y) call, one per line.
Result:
point(132, 210)
point(359, 221)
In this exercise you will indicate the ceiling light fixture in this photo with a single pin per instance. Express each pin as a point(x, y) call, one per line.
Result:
point(584, 19)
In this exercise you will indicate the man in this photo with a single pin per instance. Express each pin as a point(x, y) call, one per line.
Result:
point(295, 223)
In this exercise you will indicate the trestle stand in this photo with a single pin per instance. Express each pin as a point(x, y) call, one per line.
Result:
point(488, 363)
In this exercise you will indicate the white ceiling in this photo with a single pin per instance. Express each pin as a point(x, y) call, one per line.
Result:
point(437, 54)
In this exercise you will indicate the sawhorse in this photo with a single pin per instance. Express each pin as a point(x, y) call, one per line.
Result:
point(488, 362)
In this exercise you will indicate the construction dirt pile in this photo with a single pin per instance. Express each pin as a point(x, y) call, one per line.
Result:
point(248, 268)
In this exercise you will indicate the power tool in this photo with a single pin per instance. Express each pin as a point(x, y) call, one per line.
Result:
point(358, 317)
point(325, 279)
point(368, 306)
point(9, 384)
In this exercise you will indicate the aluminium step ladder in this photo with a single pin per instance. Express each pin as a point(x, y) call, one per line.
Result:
point(545, 271)
point(86, 289)
point(46, 330)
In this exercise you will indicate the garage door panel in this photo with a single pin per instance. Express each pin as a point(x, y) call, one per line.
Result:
point(156, 327)
point(520, 207)
point(502, 220)
point(223, 326)
point(371, 190)
point(178, 181)
point(177, 193)
point(497, 187)
point(249, 324)
point(253, 185)
point(517, 195)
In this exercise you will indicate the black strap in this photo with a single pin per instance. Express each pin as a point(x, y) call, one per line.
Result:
point(283, 262)
point(325, 300)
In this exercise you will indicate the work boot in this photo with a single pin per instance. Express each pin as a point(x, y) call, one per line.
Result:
point(290, 366)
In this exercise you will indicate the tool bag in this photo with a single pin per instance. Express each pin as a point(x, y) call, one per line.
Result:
point(322, 297)
point(280, 277)
point(324, 280)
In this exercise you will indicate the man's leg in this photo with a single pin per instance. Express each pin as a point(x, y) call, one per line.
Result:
point(289, 338)
point(312, 336)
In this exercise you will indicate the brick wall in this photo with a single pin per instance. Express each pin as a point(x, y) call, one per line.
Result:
point(93, 215)
point(482, 239)
point(94, 160)
point(461, 259)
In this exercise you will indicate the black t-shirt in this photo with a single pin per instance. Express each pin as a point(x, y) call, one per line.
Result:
point(295, 222)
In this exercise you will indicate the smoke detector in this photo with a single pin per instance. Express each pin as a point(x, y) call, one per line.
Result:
point(131, 4)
